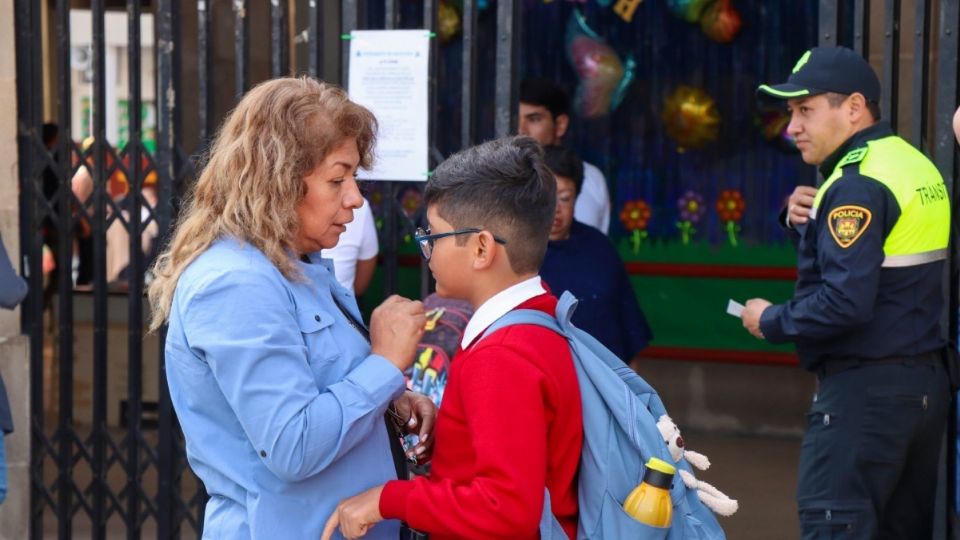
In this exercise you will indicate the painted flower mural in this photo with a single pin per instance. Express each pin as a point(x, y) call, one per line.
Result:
point(690, 209)
point(730, 207)
point(635, 217)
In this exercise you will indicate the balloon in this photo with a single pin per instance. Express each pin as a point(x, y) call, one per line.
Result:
point(720, 21)
point(773, 124)
point(626, 8)
point(690, 117)
point(688, 10)
point(448, 21)
point(410, 201)
point(603, 78)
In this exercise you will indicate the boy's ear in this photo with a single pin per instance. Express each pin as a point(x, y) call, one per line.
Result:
point(484, 250)
point(560, 125)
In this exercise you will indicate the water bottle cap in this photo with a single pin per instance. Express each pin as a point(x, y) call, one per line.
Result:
point(661, 466)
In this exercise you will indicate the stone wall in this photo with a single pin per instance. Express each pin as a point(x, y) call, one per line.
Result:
point(14, 360)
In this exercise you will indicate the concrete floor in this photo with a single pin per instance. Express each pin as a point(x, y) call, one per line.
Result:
point(761, 473)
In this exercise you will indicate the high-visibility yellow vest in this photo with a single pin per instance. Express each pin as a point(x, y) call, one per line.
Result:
point(921, 234)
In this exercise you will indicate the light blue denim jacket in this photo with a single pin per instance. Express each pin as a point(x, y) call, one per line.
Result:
point(280, 400)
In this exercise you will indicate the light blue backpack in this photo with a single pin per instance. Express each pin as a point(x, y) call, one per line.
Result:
point(620, 412)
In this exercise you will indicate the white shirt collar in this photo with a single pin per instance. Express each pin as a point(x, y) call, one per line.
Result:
point(498, 305)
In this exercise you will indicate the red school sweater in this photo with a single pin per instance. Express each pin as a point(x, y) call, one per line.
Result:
point(509, 424)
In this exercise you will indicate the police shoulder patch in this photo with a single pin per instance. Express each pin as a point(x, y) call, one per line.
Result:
point(847, 223)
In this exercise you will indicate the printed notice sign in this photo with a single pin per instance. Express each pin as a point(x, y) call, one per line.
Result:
point(389, 71)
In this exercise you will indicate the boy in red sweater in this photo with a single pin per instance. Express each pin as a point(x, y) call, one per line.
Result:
point(510, 423)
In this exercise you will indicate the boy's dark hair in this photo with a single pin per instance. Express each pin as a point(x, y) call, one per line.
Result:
point(545, 93)
point(502, 186)
point(564, 162)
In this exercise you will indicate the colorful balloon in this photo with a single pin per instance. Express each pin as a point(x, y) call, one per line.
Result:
point(690, 117)
point(773, 123)
point(603, 78)
point(448, 21)
point(626, 8)
point(720, 21)
point(688, 10)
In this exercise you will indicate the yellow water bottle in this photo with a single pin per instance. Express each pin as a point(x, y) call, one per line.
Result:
point(650, 501)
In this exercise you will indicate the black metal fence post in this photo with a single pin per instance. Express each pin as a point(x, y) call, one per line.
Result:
point(168, 520)
point(829, 23)
point(28, 81)
point(890, 79)
point(468, 82)
point(508, 40)
point(241, 51)
point(279, 39)
point(861, 27)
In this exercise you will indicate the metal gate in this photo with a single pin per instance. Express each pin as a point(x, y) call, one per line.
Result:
point(107, 454)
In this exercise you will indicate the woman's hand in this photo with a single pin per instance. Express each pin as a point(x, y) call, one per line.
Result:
point(396, 327)
point(355, 515)
point(416, 414)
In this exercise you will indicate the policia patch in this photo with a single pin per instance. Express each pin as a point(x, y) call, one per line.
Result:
point(847, 223)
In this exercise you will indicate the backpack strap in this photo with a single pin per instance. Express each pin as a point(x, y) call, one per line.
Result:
point(550, 528)
point(563, 325)
point(523, 316)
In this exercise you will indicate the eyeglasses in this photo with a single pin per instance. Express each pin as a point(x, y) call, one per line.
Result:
point(426, 240)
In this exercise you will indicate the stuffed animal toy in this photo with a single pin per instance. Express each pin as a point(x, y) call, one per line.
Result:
point(712, 497)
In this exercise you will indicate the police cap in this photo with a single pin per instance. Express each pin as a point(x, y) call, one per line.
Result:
point(827, 69)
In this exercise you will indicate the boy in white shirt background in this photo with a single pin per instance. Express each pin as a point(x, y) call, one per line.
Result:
point(544, 115)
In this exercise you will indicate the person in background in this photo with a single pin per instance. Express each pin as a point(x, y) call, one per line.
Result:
point(956, 124)
point(13, 289)
point(545, 115)
point(583, 261)
point(279, 387)
point(355, 255)
point(117, 236)
point(50, 225)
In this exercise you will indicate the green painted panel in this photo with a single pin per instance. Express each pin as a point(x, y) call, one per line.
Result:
point(683, 311)
point(691, 312)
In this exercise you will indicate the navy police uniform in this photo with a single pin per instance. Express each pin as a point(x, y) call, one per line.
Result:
point(865, 318)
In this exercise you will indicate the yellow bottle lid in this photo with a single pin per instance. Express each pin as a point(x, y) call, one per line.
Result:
point(661, 466)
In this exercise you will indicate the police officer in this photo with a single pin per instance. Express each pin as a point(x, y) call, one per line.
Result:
point(865, 314)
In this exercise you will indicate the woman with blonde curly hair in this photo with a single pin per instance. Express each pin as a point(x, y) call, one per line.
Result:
point(279, 392)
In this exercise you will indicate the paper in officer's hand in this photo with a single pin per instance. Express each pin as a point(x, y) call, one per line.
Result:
point(734, 308)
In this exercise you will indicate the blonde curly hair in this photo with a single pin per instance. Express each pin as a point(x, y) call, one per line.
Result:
point(253, 181)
